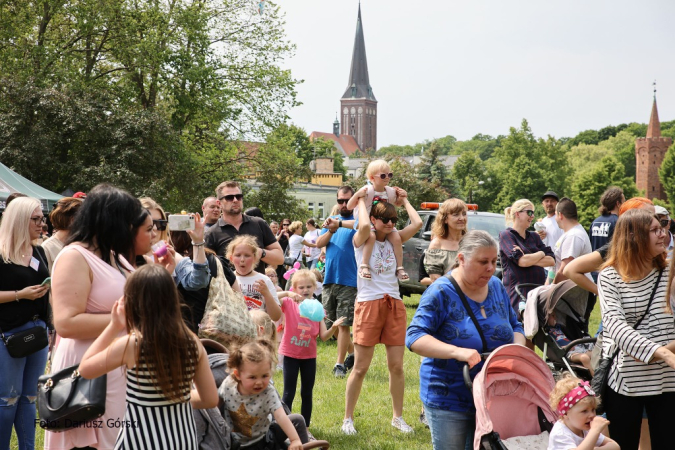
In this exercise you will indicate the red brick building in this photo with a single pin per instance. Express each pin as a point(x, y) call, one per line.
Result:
point(649, 154)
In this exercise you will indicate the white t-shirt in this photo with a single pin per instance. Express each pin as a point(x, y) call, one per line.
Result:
point(574, 243)
point(382, 271)
point(312, 236)
point(295, 247)
point(254, 299)
point(562, 438)
point(553, 231)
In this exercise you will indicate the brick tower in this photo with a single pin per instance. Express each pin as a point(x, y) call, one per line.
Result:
point(358, 104)
point(649, 154)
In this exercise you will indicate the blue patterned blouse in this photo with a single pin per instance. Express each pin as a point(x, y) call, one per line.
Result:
point(441, 314)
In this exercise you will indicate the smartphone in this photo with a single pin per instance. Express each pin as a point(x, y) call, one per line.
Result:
point(181, 222)
point(47, 282)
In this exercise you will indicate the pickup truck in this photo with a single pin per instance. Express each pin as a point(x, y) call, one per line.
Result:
point(414, 248)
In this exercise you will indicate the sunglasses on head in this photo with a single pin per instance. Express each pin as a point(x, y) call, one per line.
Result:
point(231, 197)
point(159, 224)
point(384, 176)
point(386, 220)
point(342, 201)
point(529, 212)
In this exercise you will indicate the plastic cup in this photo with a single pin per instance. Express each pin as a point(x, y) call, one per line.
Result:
point(160, 249)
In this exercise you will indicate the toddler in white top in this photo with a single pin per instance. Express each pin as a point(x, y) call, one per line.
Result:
point(379, 173)
point(578, 426)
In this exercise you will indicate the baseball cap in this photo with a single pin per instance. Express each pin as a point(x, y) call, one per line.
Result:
point(550, 194)
point(661, 211)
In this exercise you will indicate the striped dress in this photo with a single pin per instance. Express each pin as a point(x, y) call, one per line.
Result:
point(151, 421)
point(622, 305)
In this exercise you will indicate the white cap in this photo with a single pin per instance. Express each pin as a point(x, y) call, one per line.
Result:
point(661, 211)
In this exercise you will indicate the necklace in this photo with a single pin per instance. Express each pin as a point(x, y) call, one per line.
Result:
point(243, 275)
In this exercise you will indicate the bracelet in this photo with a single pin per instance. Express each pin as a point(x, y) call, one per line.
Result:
point(339, 223)
point(198, 245)
point(16, 295)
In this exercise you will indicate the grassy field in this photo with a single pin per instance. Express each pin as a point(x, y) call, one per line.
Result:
point(372, 417)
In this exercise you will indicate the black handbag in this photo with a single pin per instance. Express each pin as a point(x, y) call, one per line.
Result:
point(601, 374)
point(66, 400)
point(27, 342)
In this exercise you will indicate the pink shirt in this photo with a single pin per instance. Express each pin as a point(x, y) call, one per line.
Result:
point(300, 333)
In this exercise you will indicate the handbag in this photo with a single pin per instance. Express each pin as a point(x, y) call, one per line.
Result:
point(289, 260)
point(601, 374)
point(66, 400)
point(226, 318)
point(27, 342)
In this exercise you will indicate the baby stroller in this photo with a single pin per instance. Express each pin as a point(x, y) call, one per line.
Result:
point(570, 305)
point(511, 398)
point(213, 429)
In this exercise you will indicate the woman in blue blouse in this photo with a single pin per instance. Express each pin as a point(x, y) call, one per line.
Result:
point(444, 333)
point(522, 253)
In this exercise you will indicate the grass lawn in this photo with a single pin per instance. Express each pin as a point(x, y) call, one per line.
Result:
point(372, 417)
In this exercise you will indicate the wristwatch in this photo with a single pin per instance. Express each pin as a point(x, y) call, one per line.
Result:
point(263, 254)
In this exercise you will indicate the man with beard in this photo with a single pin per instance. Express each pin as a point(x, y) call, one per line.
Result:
point(234, 223)
point(211, 211)
point(552, 232)
point(339, 284)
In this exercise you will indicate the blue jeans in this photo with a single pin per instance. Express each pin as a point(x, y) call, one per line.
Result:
point(18, 391)
point(450, 430)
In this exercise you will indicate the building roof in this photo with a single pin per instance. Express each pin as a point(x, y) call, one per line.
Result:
point(654, 128)
point(359, 82)
point(345, 143)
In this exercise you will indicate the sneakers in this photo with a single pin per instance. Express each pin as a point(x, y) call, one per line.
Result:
point(339, 371)
point(348, 427)
point(399, 424)
point(349, 361)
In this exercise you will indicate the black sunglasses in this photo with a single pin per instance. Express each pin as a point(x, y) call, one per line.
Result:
point(529, 212)
point(231, 197)
point(285, 224)
point(384, 176)
point(386, 220)
point(342, 201)
point(664, 222)
point(159, 224)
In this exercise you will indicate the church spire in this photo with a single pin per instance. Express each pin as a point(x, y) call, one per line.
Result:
point(654, 128)
point(359, 82)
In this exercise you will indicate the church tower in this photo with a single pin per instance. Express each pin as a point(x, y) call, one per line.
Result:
point(649, 154)
point(358, 104)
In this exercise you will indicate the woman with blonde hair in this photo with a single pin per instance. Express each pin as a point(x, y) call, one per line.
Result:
point(522, 253)
point(447, 229)
point(24, 304)
point(159, 219)
point(639, 332)
point(296, 241)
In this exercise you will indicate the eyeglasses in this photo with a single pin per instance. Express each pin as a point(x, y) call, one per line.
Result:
point(159, 224)
point(39, 220)
point(231, 197)
point(529, 212)
point(384, 176)
point(386, 220)
point(664, 222)
point(657, 231)
point(342, 201)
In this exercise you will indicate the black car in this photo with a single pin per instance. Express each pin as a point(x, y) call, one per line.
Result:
point(414, 248)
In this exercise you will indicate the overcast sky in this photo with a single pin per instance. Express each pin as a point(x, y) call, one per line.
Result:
point(462, 68)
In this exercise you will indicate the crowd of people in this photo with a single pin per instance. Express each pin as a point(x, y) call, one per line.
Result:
point(123, 295)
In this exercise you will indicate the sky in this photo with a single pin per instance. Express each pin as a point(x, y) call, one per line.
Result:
point(460, 68)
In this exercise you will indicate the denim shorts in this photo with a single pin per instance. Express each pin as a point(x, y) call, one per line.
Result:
point(450, 430)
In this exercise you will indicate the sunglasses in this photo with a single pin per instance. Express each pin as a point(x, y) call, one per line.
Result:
point(529, 212)
point(342, 201)
point(664, 222)
point(159, 224)
point(386, 220)
point(231, 197)
point(384, 176)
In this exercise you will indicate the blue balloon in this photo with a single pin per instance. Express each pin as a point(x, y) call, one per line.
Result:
point(312, 309)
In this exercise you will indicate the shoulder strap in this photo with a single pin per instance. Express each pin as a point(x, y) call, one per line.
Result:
point(468, 310)
point(651, 299)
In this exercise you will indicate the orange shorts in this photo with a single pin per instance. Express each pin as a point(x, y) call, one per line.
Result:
point(380, 321)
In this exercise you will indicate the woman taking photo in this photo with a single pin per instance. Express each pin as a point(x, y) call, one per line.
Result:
point(447, 230)
point(379, 312)
point(632, 288)
point(61, 218)
point(296, 241)
point(108, 233)
point(522, 253)
point(444, 333)
point(24, 304)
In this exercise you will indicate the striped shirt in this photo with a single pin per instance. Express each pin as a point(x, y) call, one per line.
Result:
point(622, 306)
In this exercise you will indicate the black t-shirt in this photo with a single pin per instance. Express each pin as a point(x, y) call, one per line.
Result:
point(15, 277)
point(196, 300)
point(219, 235)
point(604, 250)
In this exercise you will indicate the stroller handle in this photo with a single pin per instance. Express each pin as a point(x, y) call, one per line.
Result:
point(519, 286)
point(574, 343)
point(466, 372)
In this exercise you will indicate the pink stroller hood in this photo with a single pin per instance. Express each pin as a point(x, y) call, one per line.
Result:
point(508, 391)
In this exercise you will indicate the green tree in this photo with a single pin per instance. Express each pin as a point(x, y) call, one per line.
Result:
point(667, 175)
point(589, 186)
point(432, 168)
